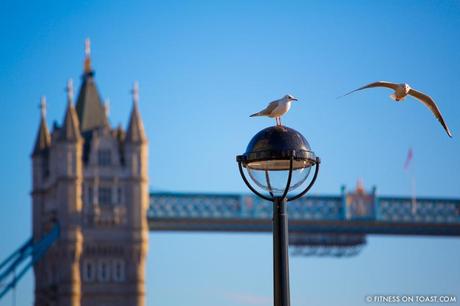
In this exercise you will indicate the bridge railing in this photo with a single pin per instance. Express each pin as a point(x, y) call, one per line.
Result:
point(172, 205)
point(323, 208)
point(425, 210)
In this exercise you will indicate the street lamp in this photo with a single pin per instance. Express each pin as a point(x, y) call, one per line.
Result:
point(278, 160)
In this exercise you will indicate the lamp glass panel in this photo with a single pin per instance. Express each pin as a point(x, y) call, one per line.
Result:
point(279, 164)
point(275, 180)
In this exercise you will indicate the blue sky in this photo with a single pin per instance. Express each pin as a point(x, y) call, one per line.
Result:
point(203, 67)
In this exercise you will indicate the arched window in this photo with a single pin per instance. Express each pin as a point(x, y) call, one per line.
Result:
point(104, 157)
point(118, 270)
point(119, 195)
point(89, 271)
point(103, 274)
point(105, 196)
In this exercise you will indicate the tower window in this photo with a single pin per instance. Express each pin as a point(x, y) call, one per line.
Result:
point(103, 271)
point(119, 195)
point(90, 199)
point(105, 196)
point(89, 271)
point(104, 157)
point(118, 270)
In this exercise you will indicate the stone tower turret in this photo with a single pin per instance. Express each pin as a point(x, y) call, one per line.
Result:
point(136, 156)
point(40, 173)
point(67, 158)
point(92, 180)
point(40, 168)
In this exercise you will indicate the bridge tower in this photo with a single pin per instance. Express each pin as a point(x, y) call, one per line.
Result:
point(92, 180)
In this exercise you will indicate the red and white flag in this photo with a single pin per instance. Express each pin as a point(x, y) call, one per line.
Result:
point(410, 154)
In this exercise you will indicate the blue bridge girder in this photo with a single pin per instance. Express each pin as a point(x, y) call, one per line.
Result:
point(347, 214)
point(24, 259)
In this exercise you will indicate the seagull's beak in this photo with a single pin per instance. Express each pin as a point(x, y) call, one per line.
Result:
point(294, 99)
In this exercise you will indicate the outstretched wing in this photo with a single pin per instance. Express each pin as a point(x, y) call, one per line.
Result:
point(375, 84)
point(428, 101)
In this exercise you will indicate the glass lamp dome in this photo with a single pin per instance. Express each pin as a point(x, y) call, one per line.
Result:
point(278, 160)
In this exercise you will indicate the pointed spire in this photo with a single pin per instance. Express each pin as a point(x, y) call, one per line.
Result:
point(87, 66)
point(43, 139)
point(135, 132)
point(43, 107)
point(69, 91)
point(135, 92)
point(89, 107)
point(70, 129)
point(360, 186)
point(107, 107)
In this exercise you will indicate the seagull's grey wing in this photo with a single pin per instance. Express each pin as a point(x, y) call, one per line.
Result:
point(375, 84)
point(428, 101)
point(270, 108)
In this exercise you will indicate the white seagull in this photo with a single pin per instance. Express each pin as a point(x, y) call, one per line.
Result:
point(401, 91)
point(277, 108)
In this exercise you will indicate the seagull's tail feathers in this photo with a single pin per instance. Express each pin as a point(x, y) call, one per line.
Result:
point(256, 115)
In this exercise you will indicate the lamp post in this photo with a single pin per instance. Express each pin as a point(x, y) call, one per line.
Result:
point(278, 160)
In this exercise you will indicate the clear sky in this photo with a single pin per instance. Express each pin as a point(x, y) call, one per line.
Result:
point(203, 67)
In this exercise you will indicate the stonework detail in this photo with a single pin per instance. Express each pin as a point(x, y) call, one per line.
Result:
point(92, 179)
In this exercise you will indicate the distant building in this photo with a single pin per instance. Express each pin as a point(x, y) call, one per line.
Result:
point(92, 179)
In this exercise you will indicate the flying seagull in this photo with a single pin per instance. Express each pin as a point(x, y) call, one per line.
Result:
point(401, 91)
point(277, 108)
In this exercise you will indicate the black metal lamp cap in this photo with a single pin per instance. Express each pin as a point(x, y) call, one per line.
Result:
point(273, 147)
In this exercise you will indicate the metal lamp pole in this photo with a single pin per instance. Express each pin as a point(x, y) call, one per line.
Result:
point(280, 230)
point(280, 253)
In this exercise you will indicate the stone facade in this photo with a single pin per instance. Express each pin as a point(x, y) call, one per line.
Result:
point(92, 180)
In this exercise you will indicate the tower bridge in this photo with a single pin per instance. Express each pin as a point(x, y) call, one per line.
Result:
point(319, 225)
point(92, 211)
point(349, 213)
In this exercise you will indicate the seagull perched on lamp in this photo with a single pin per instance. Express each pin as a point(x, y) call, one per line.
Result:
point(401, 91)
point(277, 108)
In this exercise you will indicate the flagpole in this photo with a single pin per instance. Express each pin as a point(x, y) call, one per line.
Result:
point(414, 200)
point(411, 171)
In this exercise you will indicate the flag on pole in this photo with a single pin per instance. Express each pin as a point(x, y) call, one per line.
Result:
point(410, 154)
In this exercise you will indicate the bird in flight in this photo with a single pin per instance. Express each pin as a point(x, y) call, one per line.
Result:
point(277, 108)
point(401, 91)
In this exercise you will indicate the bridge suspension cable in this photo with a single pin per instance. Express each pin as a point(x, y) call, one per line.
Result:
point(23, 259)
